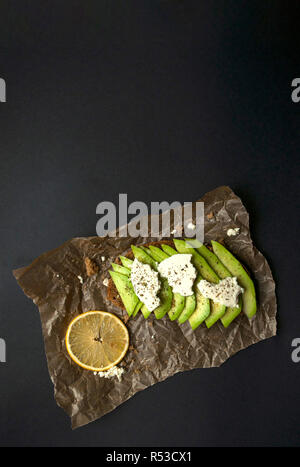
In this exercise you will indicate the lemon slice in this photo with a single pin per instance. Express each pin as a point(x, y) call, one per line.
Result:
point(97, 340)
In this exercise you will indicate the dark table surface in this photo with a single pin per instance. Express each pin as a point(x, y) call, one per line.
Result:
point(163, 100)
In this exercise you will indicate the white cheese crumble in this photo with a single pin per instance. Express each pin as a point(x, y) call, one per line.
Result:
point(111, 373)
point(146, 284)
point(173, 232)
point(233, 232)
point(102, 259)
point(80, 279)
point(226, 292)
point(191, 226)
point(106, 282)
point(179, 272)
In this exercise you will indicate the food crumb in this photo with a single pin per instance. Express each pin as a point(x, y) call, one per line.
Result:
point(191, 226)
point(173, 232)
point(111, 373)
point(80, 279)
point(102, 259)
point(106, 282)
point(233, 232)
point(91, 267)
point(125, 319)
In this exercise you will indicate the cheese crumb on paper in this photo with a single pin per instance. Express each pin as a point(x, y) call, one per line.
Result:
point(113, 372)
point(233, 232)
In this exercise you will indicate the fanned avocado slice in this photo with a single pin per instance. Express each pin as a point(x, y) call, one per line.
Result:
point(231, 314)
point(199, 262)
point(178, 301)
point(165, 294)
point(126, 291)
point(145, 311)
point(169, 250)
point(126, 262)
point(189, 308)
point(202, 309)
point(177, 307)
point(158, 254)
point(143, 257)
point(214, 262)
point(137, 309)
point(216, 312)
point(236, 269)
point(121, 269)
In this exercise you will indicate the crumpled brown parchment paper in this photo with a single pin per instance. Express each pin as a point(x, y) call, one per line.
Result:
point(161, 348)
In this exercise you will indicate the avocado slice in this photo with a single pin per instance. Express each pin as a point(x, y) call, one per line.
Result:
point(231, 313)
point(178, 300)
point(165, 294)
point(202, 309)
point(126, 262)
point(199, 262)
point(121, 269)
point(143, 257)
point(169, 250)
point(236, 269)
point(177, 307)
point(189, 308)
point(137, 309)
point(161, 255)
point(145, 311)
point(126, 291)
point(214, 262)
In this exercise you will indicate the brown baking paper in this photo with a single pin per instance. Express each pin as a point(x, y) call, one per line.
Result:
point(161, 348)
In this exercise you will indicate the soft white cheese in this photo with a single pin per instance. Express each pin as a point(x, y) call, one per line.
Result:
point(233, 232)
point(146, 284)
point(226, 292)
point(179, 272)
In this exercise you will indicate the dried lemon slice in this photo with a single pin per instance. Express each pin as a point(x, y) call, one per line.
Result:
point(97, 340)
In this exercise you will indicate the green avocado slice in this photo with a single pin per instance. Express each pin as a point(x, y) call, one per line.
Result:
point(178, 301)
point(177, 307)
point(199, 262)
point(231, 314)
point(214, 262)
point(165, 294)
point(126, 291)
point(143, 257)
point(126, 262)
point(189, 308)
point(160, 255)
point(236, 269)
point(145, 311)
point(202, 309)
point(137, 309)
point(121, 269)
point(169, 250)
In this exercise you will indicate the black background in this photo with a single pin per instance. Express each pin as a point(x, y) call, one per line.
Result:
point(163, 100)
